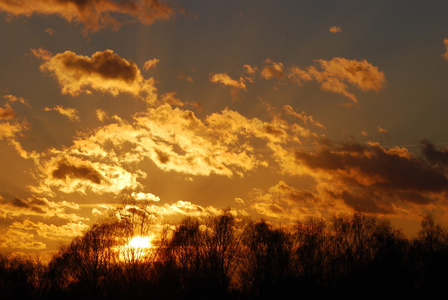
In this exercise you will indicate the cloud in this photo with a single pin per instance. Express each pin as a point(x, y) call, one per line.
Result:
point(94, 14)
point(184, 77)
point(336, 73)
point(169, 211)
point(176, 140)
point(383, 131)
point(335, 29)
point(69, 172)
point(16, 239)
point(50, 31)
point(70, 113)
point(66, 170)
point(145, 197)
point(7, 113)
point(150, 64)
point(272, 69)
point(334, 76)
point(38, 207)
point(445, 55)
point(51, 231)
point(437, 158)
point(224, 79)
point(42, 53)
point(10, 130)
point(302, 116)
point(249, 69)
point(106, 159)
point(101, 115)
point(13, 99)
point(171, 99)
point(105, 71)
point(369, 178)
point(10, 127)
point(284, 202)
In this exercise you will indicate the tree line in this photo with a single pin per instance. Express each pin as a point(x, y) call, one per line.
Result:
point(226, 257)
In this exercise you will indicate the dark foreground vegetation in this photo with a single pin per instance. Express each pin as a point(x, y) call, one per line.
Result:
point(223, 257)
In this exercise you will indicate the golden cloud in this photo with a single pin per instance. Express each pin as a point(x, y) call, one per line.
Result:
point(176, 140)
point(284, 202)
point(10, 127)
point(71, 172)
point(302, 116)
point(94, 14)
point(272, 69)
point(150, 64)
point(13, 99)
point(105, 71)
point(70, 113)
point(16, 239)
point(337, 72)
point(7, 113)
point(145, 197)
point(224, 79)
point(51, 231)
point(333, 76)
point(335, 29)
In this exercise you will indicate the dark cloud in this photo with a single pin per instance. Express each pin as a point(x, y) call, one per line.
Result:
point(366, 201)
point(270, 129)
point(163, 157)
point(20, 203)
point(106, 64)
point(93, 14)
point(104, 71)
point(435, 157)
point(386, 169)
point(370, 178)
point(65, 169)
point(7, 113)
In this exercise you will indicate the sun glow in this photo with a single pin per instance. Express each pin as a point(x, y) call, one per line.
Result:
point(141, 242)
point(137, 248)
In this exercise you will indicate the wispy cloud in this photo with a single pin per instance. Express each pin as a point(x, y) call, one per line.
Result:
point(70, 113)
point(336, 73)
point(150, 63)
point(224, 79)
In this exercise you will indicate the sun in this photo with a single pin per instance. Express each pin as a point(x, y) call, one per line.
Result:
point(137, 248)
point(141, 242)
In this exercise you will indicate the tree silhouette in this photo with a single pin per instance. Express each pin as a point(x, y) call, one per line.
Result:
point(225, 257)
point(268, 253)
point(430, 255)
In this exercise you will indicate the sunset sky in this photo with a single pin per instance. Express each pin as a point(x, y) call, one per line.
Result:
point(280, 110)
